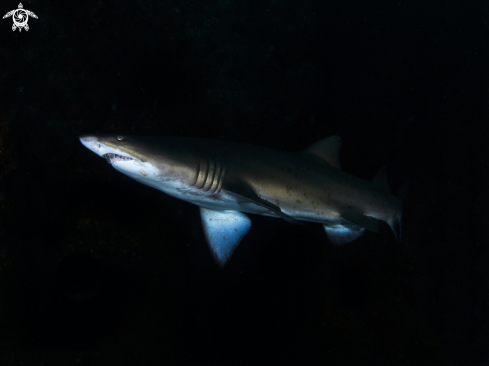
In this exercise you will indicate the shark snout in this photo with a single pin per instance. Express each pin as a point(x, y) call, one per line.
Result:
point(87, 139)
point(111, 154)
point(91, 143)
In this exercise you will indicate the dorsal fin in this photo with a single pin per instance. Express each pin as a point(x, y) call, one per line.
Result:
point(327, 149)
point(380, 179)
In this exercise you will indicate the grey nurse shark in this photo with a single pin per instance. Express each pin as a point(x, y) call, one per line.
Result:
point(226, 179)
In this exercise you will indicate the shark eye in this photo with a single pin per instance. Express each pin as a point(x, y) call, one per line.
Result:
point(120, 138)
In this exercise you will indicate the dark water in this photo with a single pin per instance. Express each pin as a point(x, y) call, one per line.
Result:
point(98, 269)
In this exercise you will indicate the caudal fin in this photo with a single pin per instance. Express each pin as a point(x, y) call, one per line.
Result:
point(395, 222)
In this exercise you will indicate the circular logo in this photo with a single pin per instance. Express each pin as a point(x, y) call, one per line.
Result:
point(20, 17)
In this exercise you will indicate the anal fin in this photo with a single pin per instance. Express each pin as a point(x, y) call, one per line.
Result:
point(342, 235)
point(353, 228)
point(366, 222)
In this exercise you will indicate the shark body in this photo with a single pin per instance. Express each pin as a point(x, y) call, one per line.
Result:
point(226, 179)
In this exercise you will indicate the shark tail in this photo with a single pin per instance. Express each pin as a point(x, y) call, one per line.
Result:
point(395, 221)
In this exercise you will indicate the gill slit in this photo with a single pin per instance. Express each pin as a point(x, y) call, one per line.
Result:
point(210, 176)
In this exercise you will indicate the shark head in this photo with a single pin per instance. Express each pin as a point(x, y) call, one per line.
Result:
point(151, 161)
point(122, 152)
point(108, 145)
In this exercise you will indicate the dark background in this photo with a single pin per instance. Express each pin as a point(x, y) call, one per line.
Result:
point(98, 269)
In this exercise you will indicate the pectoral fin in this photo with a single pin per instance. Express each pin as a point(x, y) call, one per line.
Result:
point(223, 231)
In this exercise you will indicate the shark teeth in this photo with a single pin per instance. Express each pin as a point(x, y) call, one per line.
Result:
point(112, 158)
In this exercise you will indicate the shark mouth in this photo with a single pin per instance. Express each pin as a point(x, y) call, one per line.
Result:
point(112, 158)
